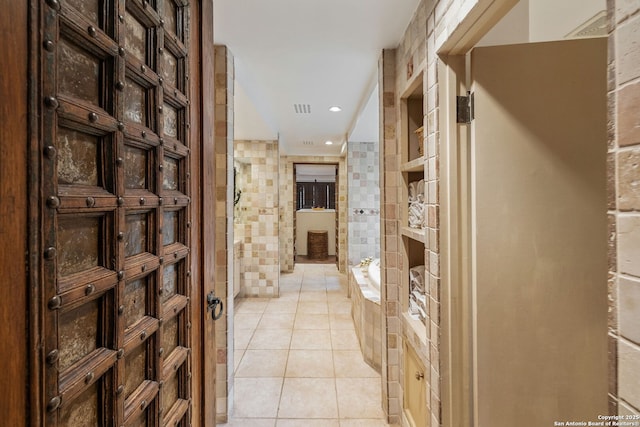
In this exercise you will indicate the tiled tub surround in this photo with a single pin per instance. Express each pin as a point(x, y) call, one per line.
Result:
point(367, 315)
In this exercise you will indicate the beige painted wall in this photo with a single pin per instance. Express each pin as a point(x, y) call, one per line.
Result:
point(553, 20)
point(315, 220)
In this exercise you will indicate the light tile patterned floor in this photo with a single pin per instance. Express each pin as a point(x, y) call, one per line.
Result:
point(298, 362)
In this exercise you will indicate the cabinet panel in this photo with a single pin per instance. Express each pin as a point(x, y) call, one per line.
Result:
point(415, 391)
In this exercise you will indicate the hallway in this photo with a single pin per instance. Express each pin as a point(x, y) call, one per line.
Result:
point(298, 360)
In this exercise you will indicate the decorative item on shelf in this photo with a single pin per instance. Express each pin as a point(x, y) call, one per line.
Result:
point(420, 133)
point(317, 208)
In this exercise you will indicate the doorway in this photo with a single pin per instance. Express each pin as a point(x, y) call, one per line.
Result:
point(316, 216)
point(524, 226)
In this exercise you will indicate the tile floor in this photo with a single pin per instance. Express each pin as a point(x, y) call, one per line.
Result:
point(298, 362)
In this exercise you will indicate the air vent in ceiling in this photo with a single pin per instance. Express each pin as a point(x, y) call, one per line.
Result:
point(302, 108)
point(307, 142)
point(594, 27)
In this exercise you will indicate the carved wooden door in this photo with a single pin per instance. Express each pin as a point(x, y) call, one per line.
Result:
point(115, 177)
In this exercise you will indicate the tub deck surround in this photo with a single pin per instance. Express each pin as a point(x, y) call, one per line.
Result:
point(367, 316)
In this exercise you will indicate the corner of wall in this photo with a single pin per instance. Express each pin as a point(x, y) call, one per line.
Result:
point(223, 142)
point(624, 207)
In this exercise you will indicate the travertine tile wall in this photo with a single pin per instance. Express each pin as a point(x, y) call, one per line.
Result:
point(432, 24)
point(391, 240)
point(259, 231)
point(242, 183)
point(624, 206)
point(363, 172)
point(287, 208)
point(436, 22)
point(399, 69)
point(224, 77)
point(287, 215)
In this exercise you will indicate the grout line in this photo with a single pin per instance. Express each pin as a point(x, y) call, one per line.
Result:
point(313, 274)
point(286, 365)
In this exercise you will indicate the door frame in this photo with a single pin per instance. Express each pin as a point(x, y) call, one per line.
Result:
point(456, 249)
point(456, 299)
point(336, 199)
point(204, 186)
point(15, 24)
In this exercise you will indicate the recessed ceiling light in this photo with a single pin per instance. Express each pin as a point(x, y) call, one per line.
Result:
point(329, 142)
point(335, 109)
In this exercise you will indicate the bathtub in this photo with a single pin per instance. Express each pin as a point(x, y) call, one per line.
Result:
point(364, 290)
point(373, 273)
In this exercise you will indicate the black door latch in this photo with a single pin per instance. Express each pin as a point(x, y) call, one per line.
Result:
point(212, 303)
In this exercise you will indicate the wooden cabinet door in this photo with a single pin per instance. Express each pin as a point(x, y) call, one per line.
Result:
point(415, 395)
point(115, 217)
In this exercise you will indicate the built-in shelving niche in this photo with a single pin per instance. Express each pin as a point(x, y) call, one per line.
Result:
point(412, 167)
point(414, 256)
point(413, 121)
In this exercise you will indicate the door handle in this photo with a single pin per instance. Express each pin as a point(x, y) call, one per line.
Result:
point(212, 303)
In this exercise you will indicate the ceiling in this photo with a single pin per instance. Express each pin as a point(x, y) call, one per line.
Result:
point(296, 58)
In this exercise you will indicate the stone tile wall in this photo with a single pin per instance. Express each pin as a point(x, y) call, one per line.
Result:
point(287, 215)
point(363, 171)
point(287, 208)
point(624, 206)
point(224, 78)
point(399, 70)
point(430, 28)
point(258, 227)
point(391, 239)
